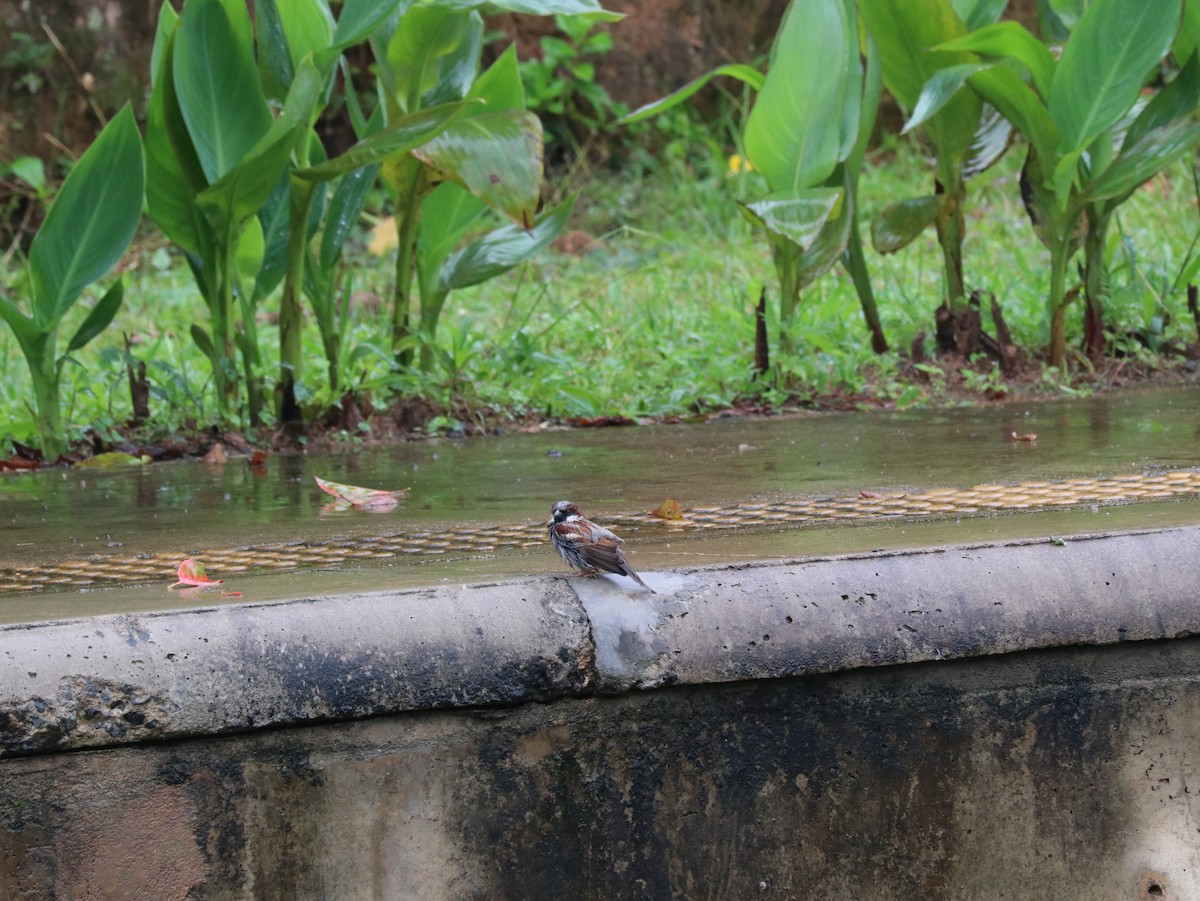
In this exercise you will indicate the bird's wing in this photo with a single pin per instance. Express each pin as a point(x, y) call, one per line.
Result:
point(604, 553)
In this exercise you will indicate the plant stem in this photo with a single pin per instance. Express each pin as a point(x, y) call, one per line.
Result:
point(1060, 253)
point(46, 396)
point(787, 258)
point(408, 221)
point(856, 264)
point(291, 315)
point(1095, 279)
point(950, 231)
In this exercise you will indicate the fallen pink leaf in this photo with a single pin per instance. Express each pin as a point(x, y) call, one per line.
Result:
point(191, 574)
point(362, 498)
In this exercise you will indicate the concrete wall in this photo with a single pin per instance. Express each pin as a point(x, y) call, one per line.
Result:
point(1016, 722)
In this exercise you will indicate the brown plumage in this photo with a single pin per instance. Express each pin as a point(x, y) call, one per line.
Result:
point(588, 547)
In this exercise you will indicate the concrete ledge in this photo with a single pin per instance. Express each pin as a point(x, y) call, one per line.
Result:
point(115, 680)
point(127, 679)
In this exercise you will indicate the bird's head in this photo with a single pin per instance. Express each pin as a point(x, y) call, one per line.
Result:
point(563, 510)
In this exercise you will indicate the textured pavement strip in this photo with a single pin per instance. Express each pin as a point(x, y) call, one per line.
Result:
point(100, 570)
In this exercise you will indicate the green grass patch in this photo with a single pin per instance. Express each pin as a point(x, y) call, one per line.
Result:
point(655, 318)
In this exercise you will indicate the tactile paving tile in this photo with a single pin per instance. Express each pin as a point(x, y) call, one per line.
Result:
point(100, 570)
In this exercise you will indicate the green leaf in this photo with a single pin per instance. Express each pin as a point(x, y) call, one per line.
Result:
point(496, 156)
point(1148, 156)
point(908, 33)
point(1011, 40)
point(502, 249)
point(906, 30)
point(457, 70)
point(427, 44)
point(814, 81)
point(274, 217)
point(308, 26)
point(100, 316)
point(31, 170)
point(743, 73)
point(92, 220)
point(1018, 103)
point(978, 13)
point(358, 19)
point(173, 173)
point(275, 67)
point(248, 258)
point(203, 341)
point(1178, 99)
point(939, 90)
point(1104, 64)
point(898, 224)
point(831, 240)
point(797, 216)
point(28, 335)
point(164, 30)
point(399, 137)
point(242, 191)
point(587, 9)
point(217, 84)
point(500, 87)
point(349, 198)
point(1188, 39)
point(448, 212)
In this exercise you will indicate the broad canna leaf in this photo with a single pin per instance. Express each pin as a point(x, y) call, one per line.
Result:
point(502, 249)
point(940, 90)
point(1177, 100)
point(174, 175)
point(1019, 104)
point(248, 257)
point(217, 84)
point(429, 44)
point(99, 318)
point(746, 74)
point(242, 191)
point(308, 26)
point(1188, 39)
point(274, 217)
point(1104, 64)
point(495, 156)
point(358, 19)
point(797, 216)
point(203, 341)
point(978, 13)
point(500, 86)
point(1010, 40)
point(588, 9)
point(447, 214)
point(91, 221)
point(345, 208)
point(831, 241)
point(1148, 156)
point(805, 118)
point(399, 137)
point(909, 33)
point(31, 338)
point(275, 67)
point(898, 224)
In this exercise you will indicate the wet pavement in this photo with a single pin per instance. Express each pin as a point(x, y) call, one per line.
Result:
point(182, 509)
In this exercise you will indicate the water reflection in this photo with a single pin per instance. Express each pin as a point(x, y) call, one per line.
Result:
point(186, 507)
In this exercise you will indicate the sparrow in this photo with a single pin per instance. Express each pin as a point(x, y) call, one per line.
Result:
point(588, 547)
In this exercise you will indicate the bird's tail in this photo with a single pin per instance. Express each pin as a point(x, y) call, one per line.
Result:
point(633, 575)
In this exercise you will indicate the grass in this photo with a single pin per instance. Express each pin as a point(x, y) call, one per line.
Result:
point(656, 318)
